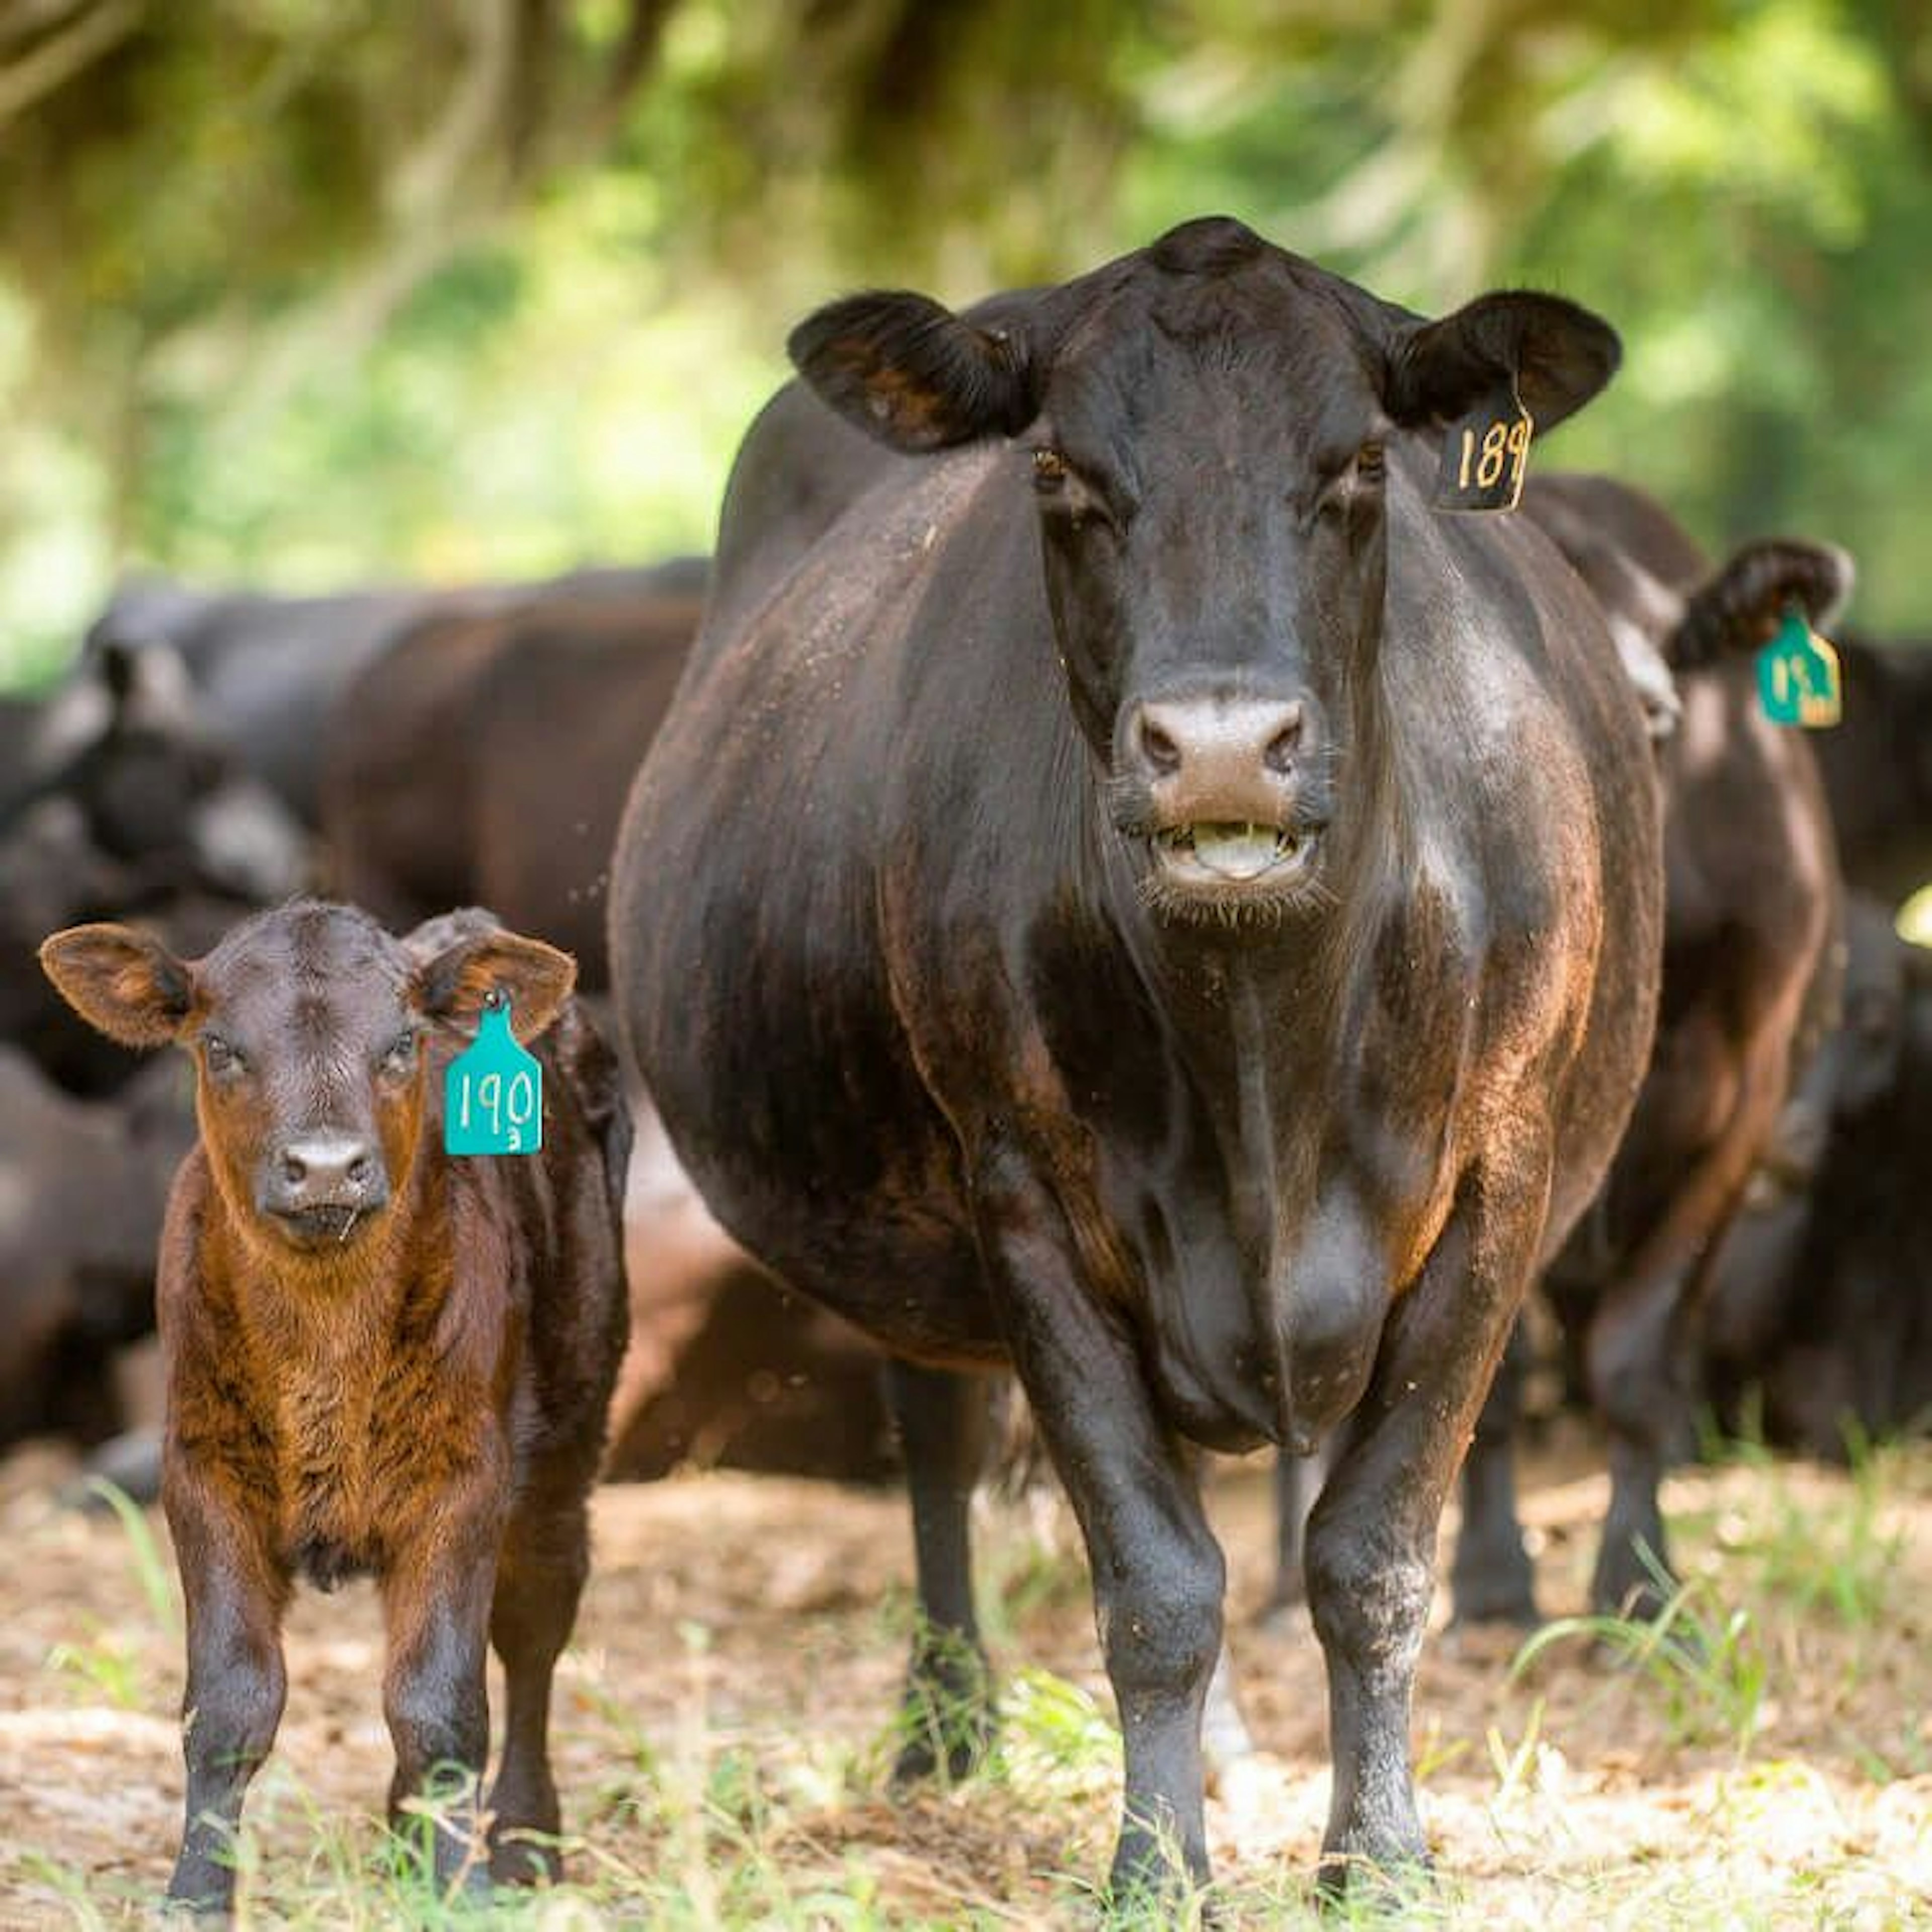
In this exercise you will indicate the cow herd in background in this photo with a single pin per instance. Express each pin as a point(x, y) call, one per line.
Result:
point(1763, 1244)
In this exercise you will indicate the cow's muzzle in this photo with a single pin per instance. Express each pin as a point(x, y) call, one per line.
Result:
point(1230, 790)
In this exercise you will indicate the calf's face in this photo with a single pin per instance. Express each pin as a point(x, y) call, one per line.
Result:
point(1207, 427)
point(307, 1025)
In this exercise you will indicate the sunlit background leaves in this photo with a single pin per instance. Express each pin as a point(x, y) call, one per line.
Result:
point(309, 291)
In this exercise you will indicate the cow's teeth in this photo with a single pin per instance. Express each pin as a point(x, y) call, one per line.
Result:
point(1236, 851)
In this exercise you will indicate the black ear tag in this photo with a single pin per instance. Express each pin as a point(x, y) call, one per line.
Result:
point(1485, 455)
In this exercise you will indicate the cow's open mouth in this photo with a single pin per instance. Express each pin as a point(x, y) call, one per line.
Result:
point(1214, 857)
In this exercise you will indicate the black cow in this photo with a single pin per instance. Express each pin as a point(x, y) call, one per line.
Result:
point(1877, 767)
point(123, 802)
point(485, 758)
point(82, 1187)
point(1749, 983)
point(1157, 903)
point(270, 668)
point(1820, 1297)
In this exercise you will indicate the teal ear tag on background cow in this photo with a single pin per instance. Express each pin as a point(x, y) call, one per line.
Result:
point(1798, 675)
point(493, 1093)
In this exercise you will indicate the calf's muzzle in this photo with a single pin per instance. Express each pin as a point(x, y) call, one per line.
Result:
point(321, 1180)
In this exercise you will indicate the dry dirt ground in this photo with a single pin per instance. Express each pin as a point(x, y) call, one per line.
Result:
point(722, 1735)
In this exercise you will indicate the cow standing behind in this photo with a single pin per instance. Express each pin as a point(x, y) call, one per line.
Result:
point(1749, 983)
point(380, 1360)
point(1159, 905)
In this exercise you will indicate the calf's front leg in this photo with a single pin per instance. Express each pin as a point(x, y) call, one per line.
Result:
point(235, 1594)
point(1158, 1573)
point(436, 1598)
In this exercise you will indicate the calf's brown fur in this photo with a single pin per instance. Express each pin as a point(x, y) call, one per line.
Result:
point(381, 1359)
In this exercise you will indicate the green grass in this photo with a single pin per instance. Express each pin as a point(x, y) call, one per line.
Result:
point(1702, 1660)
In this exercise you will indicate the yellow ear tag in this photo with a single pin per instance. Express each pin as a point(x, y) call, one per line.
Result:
point(1485, 456)
point(1798, 680)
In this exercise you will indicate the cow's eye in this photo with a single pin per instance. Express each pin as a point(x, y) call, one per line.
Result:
point(401, 1054)
point(1049, 472)
point(221, 1056)
point(1368, 462)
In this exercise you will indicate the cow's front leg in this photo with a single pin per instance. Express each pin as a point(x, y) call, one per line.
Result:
point(1372, 1539)
point(1158, 1573)
point(948, 1712)
point(235, 1594)
point(437, 1596)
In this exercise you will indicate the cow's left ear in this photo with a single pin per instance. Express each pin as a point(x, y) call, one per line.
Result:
point(1555, 355)
point(452, 985)
point(908, 371)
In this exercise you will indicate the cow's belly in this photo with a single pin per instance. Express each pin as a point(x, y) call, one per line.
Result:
point(891, 1251)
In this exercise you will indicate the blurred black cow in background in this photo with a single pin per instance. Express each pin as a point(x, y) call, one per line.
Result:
point(1749, 903)
point(269, 668)
point(1877, 767)
point(483, 759)
point(1819, 1329)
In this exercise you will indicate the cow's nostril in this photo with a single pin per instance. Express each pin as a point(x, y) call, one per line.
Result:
point(1162, 753)
point(1279, 754)
point(295, 1171)
point(358, 1170)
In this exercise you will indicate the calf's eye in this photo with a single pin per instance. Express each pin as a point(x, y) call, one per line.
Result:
point(400, 1055)
point(220, 1056)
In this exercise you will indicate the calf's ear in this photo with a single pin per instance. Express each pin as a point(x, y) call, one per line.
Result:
point(1555, 354)
point(1738, 609)
point(912, 373)
point(129, 986)
point(453, 984)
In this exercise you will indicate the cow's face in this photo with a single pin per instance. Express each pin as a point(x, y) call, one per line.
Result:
point(1206, 427)
point(307, 1025)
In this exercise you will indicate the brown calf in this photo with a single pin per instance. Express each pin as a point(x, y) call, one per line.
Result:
point(381, 1359)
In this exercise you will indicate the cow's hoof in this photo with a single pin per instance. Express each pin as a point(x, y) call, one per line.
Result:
point(519, 1858)
point(947, 1718)
point(1399, 1883)
point(1147, 1888)
point(1510, 1610)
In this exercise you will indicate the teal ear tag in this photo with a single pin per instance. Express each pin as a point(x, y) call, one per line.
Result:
point(1798, 675)
point(492, 1093)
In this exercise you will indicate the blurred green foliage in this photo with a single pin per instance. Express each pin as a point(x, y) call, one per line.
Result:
point(309, 291)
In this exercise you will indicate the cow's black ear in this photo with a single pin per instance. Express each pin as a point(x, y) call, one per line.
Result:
point(912, 373)
point(1555, 354)
point(1738, 609)
point(129, 986)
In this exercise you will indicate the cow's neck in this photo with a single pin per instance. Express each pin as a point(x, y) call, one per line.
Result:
point(1262, 1022)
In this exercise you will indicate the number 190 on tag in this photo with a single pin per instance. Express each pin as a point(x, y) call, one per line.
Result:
point(504, 1107)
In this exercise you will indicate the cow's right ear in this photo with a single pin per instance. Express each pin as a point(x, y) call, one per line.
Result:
point(910, 372)
point(129, 986)
point(1546, 353)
